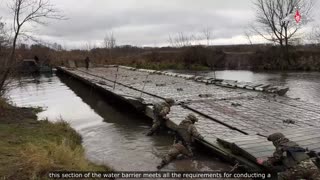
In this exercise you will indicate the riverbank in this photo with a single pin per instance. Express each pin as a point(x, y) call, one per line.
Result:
point(29, 148)
point(235, 57)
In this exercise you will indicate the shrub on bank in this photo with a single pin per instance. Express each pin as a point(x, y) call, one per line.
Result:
point(260, 56)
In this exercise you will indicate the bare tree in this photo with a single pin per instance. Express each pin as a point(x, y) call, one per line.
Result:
point(88, 46)
point(34, 11)
point(207, 35)
point(272, 23)
point(181, 40)
point(3, 35)
point(248, 36)
point(56, 46)
point(27, 11)
point(315, 35)
point(110, 41)
point(4, 40)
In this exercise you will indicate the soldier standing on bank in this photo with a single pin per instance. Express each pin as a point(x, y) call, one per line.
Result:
point(37, 60)
point(87, 62)
point(293, 158)
point(160, 112)
point(188, 131)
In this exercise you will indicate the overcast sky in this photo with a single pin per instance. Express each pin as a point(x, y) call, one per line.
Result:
point(146, 22)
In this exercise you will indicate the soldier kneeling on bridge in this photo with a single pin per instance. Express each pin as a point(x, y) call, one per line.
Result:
point(160, 112)
point(292, 159)
point(176, 150)
point(188, 131)
point(184, 138)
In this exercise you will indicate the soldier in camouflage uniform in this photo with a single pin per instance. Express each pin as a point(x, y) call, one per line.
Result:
point(160, 112)
point(188, 131)
point(177, 149)
point(294, 160)
point(87, 62)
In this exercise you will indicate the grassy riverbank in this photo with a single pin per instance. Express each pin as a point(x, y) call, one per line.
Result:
point(29, 149)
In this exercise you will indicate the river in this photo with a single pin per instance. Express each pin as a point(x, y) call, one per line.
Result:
point(111, 135)
point(115, 137)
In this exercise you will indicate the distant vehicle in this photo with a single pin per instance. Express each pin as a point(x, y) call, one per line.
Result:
point(28, 66)
point(31, 66)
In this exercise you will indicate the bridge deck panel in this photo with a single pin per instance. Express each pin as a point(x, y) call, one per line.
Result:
point(224, 113)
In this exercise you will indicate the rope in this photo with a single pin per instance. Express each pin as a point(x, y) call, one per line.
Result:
point(123, 85)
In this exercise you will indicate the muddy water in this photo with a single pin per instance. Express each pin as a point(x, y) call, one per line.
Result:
point(111, 136)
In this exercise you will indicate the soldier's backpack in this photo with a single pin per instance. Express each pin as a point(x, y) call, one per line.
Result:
point(178, 138)
point(294, 154)
point(161, 109)
point(317, 162)
point(157, 108)
point(315, 158)
point(183, 131)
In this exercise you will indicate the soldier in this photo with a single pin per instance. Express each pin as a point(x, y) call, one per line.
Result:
point(36, 59)
point(87, 62)
point(160, 112)
point(188, 131)
point(293, 158)
point(176, 150)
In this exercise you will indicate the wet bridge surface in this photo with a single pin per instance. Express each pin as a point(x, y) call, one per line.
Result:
point(232, 119)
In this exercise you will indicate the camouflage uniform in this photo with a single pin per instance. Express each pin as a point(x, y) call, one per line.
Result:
point(160, 112)
point(87, 62)
point(188, 131)
point(295, 162)
point(176, 150)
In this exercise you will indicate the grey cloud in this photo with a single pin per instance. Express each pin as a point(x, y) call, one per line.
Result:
point(156, 21)
point(143, 22)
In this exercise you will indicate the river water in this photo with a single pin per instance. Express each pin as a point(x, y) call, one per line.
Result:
point(115, 137)
point(111, 135)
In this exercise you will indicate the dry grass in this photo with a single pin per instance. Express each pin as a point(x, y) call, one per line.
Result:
point(29, 149)
point(39, 160)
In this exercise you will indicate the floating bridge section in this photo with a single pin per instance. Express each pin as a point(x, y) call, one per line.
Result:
point(233, 116)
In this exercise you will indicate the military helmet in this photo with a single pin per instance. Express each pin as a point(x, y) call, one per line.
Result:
point(170, 101)
point(275, 136)
point(192, 117)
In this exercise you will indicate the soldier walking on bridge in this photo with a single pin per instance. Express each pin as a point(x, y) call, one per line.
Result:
point(160, 112)
point(293, 158)
point(188, 131)
point(87, 62)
